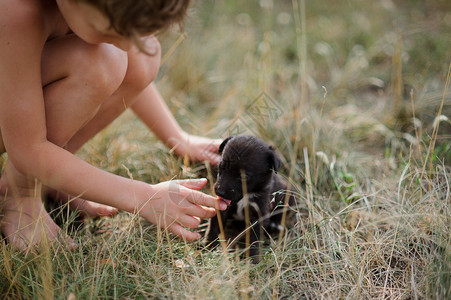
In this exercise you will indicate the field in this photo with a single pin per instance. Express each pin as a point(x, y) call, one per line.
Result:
point(355, 97)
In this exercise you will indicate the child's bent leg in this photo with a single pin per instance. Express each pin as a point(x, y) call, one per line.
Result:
point(74, 93)
point(141, 71)
point(77, 78)
point(95, 73)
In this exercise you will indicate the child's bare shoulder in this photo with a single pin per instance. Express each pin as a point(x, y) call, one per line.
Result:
point(22, 17)
point(23, 33)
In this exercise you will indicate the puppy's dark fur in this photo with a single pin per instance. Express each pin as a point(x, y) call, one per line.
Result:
point(249, 158)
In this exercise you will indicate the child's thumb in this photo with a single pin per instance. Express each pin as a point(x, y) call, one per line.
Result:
point(193, 184)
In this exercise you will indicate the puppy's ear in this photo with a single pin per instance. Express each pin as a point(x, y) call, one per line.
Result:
point(274, 159)
point(224, 142)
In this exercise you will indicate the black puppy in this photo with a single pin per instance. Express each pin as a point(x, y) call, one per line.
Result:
point(248, 162)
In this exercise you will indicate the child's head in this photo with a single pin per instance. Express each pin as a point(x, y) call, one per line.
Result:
point(131, 19)
point(140, 17)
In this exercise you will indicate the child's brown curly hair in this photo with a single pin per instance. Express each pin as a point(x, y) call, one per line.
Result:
point(136, 18)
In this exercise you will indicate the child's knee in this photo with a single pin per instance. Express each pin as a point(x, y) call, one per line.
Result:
point(143, 68)
point(106, 67)
point(99, 69)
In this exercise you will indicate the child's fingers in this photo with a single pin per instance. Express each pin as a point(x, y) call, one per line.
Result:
point(201, 211)
point(206, 200)
point(199, 198)
point(193, 184)
point(188, 221)
point(213, 157)
point(182, 232)
point(177, 226)
point(215, 147)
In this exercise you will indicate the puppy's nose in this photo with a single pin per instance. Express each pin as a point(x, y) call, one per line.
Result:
point(219, 191)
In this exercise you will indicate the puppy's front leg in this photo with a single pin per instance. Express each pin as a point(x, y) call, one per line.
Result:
point(257, 212)
point(213, 230)
point(255, 243)
point(211, 235)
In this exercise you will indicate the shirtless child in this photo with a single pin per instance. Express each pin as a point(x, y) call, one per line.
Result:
point(68, 68)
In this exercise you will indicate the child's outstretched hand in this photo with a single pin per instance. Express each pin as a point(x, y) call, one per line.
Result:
point(177, 204)
point(198, 148)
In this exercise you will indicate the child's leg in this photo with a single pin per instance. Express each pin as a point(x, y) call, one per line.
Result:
point(77, 78)
point(92, 81)
point(141, 71)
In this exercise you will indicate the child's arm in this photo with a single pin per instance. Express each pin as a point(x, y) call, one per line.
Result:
point(24, 132)
point(153, 111)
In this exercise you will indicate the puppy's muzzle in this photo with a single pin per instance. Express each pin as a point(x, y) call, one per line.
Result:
point(224, 193)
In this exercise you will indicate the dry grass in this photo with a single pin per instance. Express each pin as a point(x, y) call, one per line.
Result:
point(330, 86)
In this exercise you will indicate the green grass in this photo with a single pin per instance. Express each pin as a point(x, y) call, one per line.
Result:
point(352, 112)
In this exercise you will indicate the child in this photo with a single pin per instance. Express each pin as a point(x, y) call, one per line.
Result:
point(68, 68)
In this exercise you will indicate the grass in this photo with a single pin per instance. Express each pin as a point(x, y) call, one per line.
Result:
point(348, 92)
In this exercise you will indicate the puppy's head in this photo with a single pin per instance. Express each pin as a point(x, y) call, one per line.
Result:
point(245, 160)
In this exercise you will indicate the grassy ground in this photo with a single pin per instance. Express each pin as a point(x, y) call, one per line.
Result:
point(350, 93)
